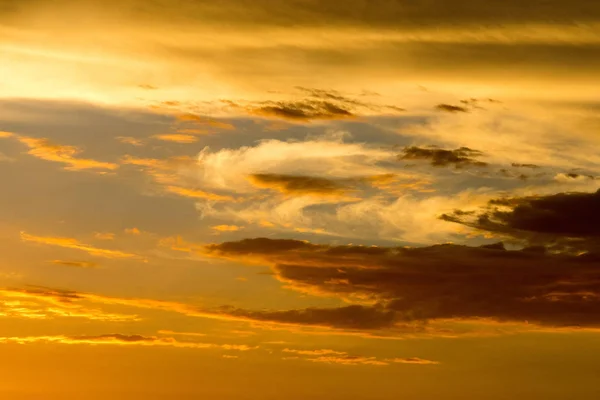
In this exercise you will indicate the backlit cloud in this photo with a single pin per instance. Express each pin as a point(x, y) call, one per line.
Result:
point(436, 282)
point(72, 243)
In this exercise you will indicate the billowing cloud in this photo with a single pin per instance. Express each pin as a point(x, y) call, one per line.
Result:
point(539, 218)
point(428, 283)
point(459, 158)
point(72, 243)
point(171, 175)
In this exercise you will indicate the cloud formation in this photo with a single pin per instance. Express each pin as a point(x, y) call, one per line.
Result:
point(44, 149)
point(428, 283)
point(117, 339)
point(304, 110)
point(540, 219)
point(72, 243)
point(76, 264)
point(451, 108)
point(298, 185)
point(459, 158)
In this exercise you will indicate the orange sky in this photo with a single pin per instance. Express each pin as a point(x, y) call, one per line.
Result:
point(326, 200)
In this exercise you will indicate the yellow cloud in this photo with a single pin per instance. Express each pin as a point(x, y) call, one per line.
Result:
point(177, 138)
point(4, 134)
point(104, 235)
point(133, 231)
point(71, 243)
point(227, 228)
point(266, 224)
point(121, 340)
point(206, 121)
point(45, 150)
point(130, 140)
point(198, 194)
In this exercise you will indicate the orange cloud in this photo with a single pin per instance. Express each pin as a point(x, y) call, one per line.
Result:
point(45, 150)
point(104, 235)
point(318, 352)
point(226, 228)
point(197, 194)
point(121, 340)
point(177, 138)
point(206, 121)
point(133, 231)
point(71, 243)
point(130, 140)
point(77, 264)
point(412, 360)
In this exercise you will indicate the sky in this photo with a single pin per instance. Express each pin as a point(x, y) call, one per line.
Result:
point(358, 199)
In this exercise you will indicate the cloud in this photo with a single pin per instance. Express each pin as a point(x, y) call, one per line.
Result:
point(77, 264)
point(412, 360)
point(519, 165)
point(540, 218)
point(43, 303)
point(72, 243)
point(171, 173)
point(354, 317)
point(348, 360)
point(118, 339)
point(428, 283)
point(462, 157)
point(46, 150)
point(226, 228)
point(104, 236)
point(318, 352)
point(177, 138)
point(202, 120)
point(298, 185)
point(329, 356)
point(304, 110)
point(130, 140)
point(450, 108)
point(133, 231)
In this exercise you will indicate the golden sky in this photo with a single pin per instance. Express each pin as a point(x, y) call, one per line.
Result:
point(267, 199)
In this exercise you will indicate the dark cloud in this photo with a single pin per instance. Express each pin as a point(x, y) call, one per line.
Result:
point(517, 165)
point(330, 95)
point(304, 110)
point(367, 13)
point(300, 185)
point(574, 215)
point(350, 317)
point(60, 295)
point(436, 282)
point(461, 157)
point(450, 108)
point(77, 264)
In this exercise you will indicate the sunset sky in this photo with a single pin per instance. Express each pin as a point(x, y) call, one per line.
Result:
point(272, 199)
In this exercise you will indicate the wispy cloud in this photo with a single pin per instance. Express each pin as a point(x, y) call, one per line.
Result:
point(46, 150)
point(72, 243)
